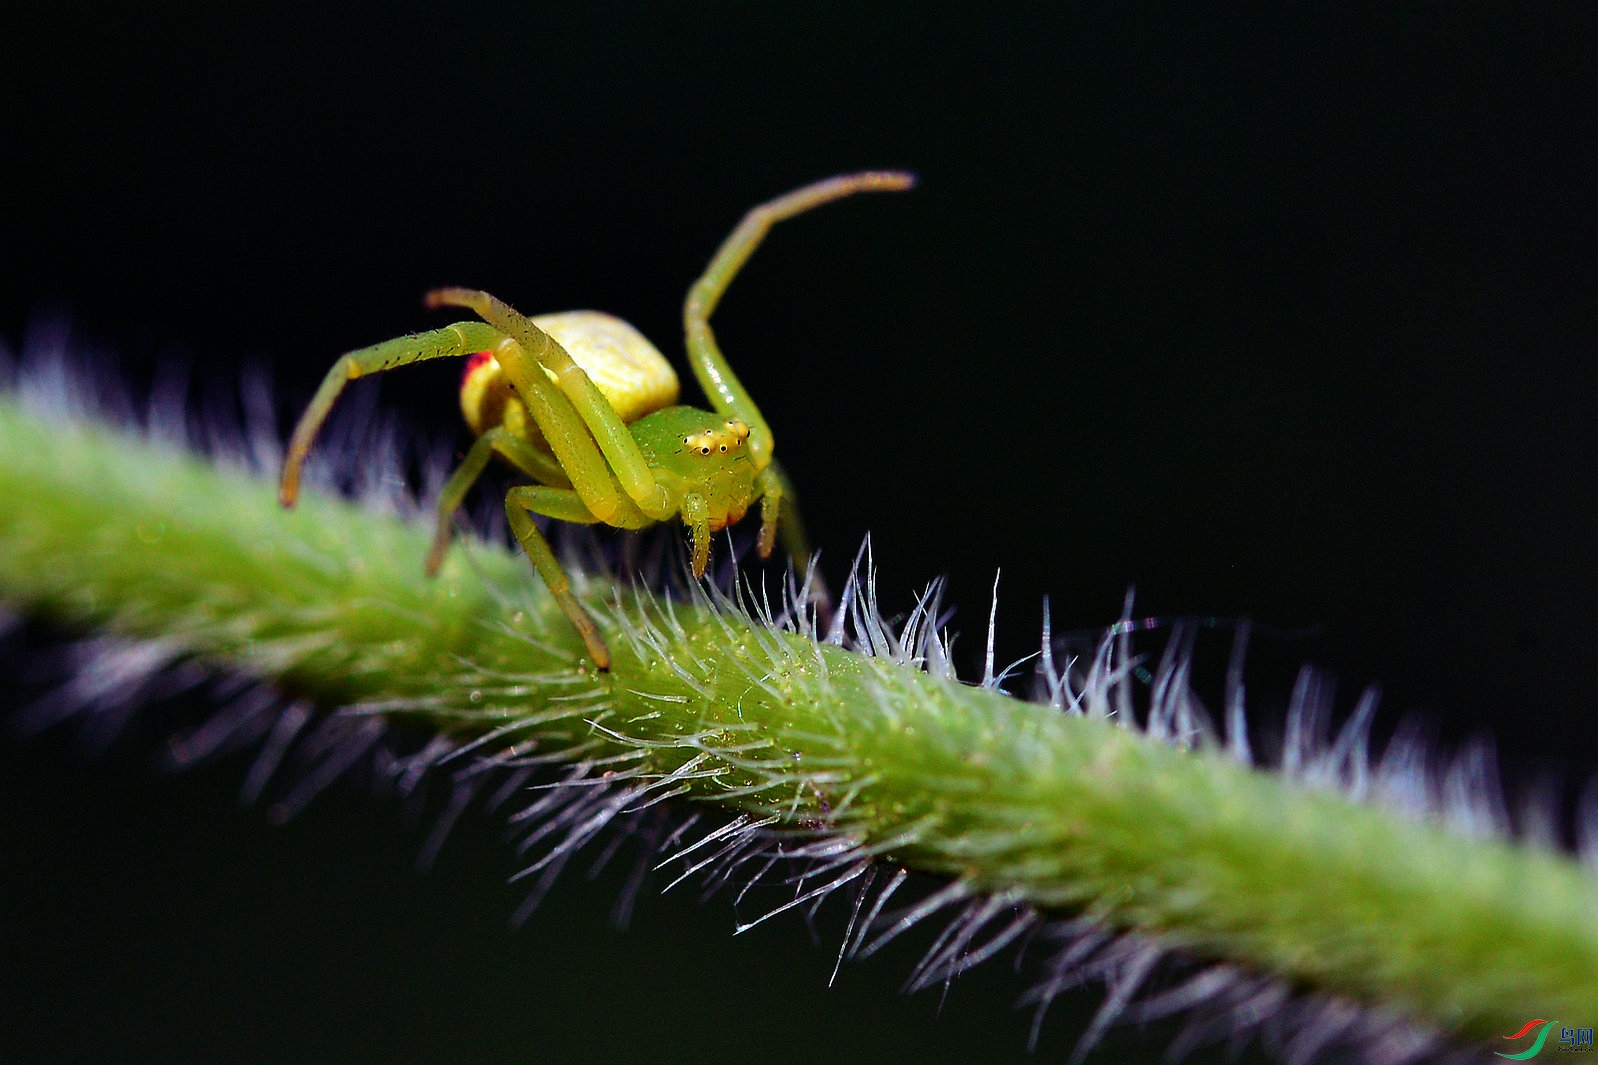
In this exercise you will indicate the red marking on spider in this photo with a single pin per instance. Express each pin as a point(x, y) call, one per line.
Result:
point(474, 362)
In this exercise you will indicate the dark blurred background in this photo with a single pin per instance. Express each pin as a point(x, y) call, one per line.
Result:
point(1286, 315)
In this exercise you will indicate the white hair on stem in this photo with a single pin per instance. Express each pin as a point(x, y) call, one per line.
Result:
point(780, 817)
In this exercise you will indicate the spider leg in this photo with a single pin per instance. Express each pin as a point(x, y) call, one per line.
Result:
point(779, 512)
point(566, 505)
point(514, 449)
point(574, 408)
point(462, 338)
point(727, 394)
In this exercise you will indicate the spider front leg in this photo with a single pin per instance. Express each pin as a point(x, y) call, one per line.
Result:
point(462, 338)
point(563, 504)
point(610, 482)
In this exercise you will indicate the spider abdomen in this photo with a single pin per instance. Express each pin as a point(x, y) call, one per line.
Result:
point(628, 370)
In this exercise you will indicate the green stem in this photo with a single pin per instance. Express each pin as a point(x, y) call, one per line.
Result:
point(1060, 811)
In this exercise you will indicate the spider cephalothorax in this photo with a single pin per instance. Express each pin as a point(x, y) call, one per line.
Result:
point(583, 404)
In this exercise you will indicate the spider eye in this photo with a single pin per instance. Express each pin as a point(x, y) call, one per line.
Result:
point(704, 449)
point(723, 449)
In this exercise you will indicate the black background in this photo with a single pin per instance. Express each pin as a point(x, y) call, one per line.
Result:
point(1267, 313)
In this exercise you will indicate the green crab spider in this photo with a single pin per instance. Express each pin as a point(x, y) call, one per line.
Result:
point(584, 405)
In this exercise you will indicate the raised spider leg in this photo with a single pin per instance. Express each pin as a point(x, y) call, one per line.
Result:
point(565, 505)
point(581, 405)
point(462, 338)
point(727, 394)
point(512, 448)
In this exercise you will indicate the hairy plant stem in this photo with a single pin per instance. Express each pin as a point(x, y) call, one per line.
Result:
point(1063, 812)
